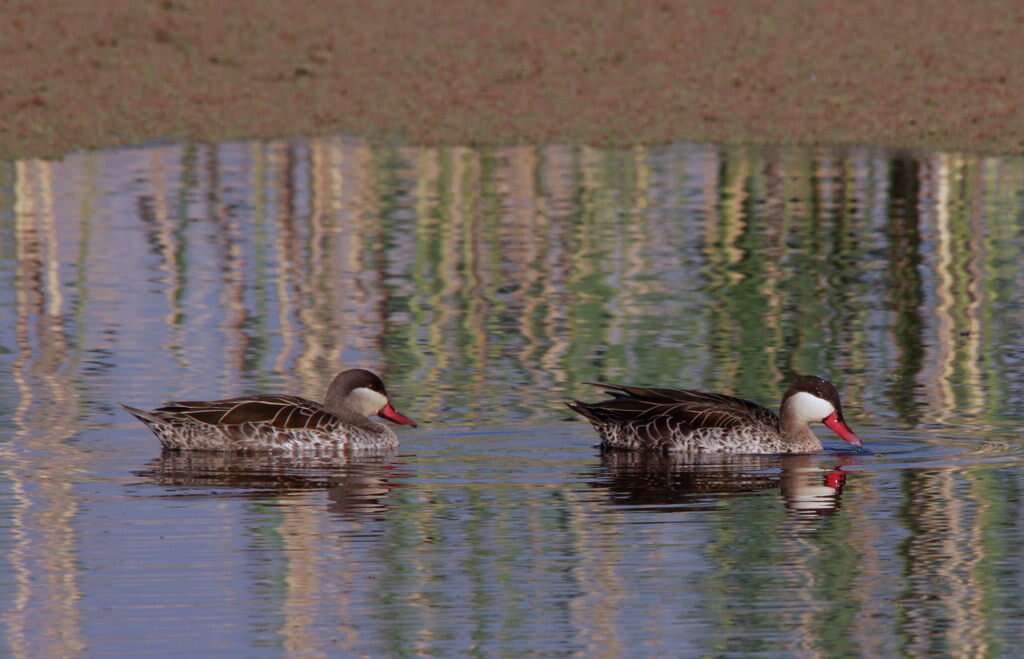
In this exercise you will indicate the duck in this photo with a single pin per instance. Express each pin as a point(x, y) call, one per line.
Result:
point(670, 420)
point(277, 423)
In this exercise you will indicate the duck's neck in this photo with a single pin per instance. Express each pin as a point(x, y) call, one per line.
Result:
point(339, 405)
point(797, 432)
point(334, 402)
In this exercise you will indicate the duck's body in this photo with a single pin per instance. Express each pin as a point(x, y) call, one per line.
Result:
point(281, 423)
point(260, 423)
point(655, 419)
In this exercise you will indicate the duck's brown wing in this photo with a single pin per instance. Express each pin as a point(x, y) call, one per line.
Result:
point(285, 412)
point(681, 410)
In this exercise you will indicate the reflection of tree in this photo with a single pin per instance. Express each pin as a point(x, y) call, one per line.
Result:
point(743, 323)
point(956, 385)
point(729, 268)
point(905, 286)
point(942, 608)
point(165, 221)
point(39, 463)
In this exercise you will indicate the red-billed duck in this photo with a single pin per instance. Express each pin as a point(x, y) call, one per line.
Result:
point(282, 423)
point(652, 419)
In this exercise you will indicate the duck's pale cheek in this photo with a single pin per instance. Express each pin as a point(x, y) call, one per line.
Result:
point(367, 401)
point(809, 407)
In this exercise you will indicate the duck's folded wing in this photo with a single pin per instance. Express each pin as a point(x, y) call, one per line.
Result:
point(683, 409)
point(277, 411)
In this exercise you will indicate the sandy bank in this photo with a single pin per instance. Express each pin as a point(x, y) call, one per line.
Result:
point(937, 73)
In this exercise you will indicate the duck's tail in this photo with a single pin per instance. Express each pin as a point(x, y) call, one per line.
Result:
point(142, 415)
point(158, 425)
point(581, 408)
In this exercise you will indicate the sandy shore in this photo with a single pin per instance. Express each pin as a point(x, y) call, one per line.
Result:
point(935, 74)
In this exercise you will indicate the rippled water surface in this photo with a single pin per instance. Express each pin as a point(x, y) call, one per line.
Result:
point(488, 286)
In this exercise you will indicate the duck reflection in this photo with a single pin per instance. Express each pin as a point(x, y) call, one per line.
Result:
point(661, 481)
point(355, 483)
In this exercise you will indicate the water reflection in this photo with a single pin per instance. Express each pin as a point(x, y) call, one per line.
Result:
point(355, 484)
point(667, 481)
point(543, 267)
point(41, 415)
point(486, 285)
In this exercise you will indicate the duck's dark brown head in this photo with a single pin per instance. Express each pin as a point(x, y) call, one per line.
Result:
point(812, 399)
point(363, 391)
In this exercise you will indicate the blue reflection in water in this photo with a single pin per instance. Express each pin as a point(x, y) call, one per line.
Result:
point(488, 285)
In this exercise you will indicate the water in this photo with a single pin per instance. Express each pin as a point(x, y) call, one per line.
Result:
point(488, 286)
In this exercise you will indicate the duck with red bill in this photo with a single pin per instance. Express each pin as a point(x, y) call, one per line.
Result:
point(280, 422)
point(641, 418)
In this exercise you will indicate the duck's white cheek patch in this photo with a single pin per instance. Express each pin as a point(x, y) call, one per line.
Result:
point(367, 401)
point(811, 408)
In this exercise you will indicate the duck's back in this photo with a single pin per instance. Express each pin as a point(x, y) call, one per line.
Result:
point(279, 411)
point(649, 418)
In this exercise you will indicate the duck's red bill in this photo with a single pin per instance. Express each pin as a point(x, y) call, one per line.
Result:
point(839, 427)
point(394, 416)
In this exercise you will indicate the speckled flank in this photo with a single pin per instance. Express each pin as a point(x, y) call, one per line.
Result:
point(749, 439)
point(196, 436)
